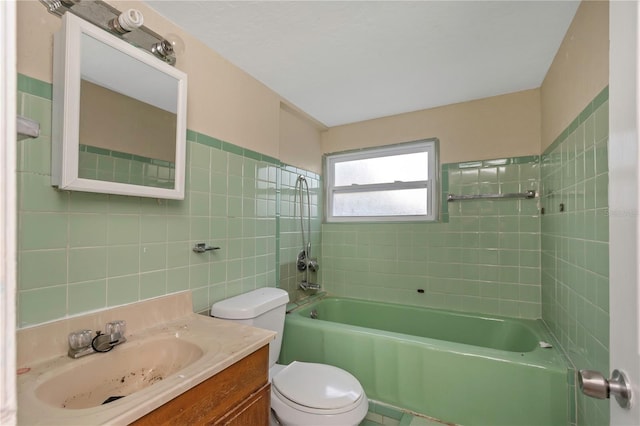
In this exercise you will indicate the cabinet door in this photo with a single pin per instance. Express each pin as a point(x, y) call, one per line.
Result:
point(215, 398)
point(253, 411)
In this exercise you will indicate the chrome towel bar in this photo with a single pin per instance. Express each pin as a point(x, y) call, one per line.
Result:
point(527, 194)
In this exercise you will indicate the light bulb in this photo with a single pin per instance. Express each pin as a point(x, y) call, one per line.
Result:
point(130, 19)
point(127, 21)
point(176, 42)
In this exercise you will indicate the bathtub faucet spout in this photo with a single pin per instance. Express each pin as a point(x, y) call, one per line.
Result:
point(306, 285)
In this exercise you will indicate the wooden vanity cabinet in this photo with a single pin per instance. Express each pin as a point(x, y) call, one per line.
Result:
point(238, 395)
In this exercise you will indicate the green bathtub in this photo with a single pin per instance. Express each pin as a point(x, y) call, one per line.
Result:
point(466, 369)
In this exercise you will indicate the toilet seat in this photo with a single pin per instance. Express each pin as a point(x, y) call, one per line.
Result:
point(317, 388)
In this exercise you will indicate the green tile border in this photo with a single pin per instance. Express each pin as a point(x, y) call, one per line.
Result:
point(206, 140)
point(191, 135)
point(600, 99)
point(34, 86)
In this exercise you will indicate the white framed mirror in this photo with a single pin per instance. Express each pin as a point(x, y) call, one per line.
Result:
point(119, 116)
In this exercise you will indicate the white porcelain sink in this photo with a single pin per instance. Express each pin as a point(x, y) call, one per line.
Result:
point(92, 380)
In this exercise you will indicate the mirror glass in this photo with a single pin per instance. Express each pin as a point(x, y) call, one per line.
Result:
point(123, 116)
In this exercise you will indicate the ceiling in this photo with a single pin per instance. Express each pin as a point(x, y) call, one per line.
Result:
point(348, 61)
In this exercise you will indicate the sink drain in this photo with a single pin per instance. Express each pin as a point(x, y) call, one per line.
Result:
point(111, 399)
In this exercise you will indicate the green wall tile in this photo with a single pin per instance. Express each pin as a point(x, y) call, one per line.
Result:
point(153, 284)
point(199, 228)
point(42, 305)
point(219, 162)
point(153, 229)
point(177, 279)
point(199, 156)
point(177, 228)
point(43, 231)
point(178, 254)
point(85, 202)
point(87, 296)
point(123, 260)
point(87, 230)
point(34, 155)
point(123, 229)
point(198, 275)
point(123, 290)
point(153, 257)
point(87, 264)
point(199, 179)
point(42, 268)
point(37, 194)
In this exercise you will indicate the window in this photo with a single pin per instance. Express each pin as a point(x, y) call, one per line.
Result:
point(391, 183)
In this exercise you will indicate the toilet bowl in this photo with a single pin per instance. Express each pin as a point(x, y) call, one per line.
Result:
point(302, 393)
point(316, 394)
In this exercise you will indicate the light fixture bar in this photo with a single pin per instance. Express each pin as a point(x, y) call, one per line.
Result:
point(106, 16)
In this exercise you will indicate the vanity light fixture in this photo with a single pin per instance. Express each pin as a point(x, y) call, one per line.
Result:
point(127, 25)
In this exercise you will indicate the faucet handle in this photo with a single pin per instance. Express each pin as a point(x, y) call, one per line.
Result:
point(80, 339)
point(118, 326)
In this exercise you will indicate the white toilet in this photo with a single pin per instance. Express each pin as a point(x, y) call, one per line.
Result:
point(301, 393)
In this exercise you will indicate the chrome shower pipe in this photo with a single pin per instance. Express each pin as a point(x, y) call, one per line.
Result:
point(304, 261)
point(302, 187)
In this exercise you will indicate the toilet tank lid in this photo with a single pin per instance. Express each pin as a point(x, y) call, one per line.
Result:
point(251, 304)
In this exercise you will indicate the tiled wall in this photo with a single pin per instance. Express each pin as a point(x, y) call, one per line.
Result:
point(80, 251)
point(485, 259)
point(289, 229)
point(575, 246)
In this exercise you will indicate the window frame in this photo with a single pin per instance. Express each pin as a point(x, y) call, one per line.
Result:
point(431, 184)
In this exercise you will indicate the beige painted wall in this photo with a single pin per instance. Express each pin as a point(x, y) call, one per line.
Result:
point(496, 127)
point(223, 101)
point(580, 70)
point(295, 130)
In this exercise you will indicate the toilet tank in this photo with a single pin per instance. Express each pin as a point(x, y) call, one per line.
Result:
point(262, 308)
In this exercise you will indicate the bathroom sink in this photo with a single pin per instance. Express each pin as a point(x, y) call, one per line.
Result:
point(101, 378)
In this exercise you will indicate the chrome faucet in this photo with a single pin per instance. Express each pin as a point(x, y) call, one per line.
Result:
point(82, 342)
point(307, 264)
point(306, 285)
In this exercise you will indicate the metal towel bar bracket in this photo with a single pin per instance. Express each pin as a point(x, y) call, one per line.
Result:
point(527, 194)
point(203, 247)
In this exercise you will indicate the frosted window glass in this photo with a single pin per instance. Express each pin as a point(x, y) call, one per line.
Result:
point(404, 202)
point(388, 183)
point(396, 168)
